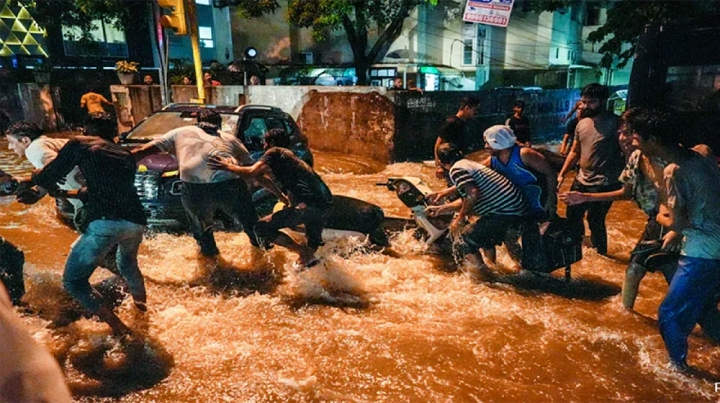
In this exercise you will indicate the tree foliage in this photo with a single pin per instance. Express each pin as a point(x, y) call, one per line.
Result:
point(356, 17)
point(626, 20)
point(81, 16)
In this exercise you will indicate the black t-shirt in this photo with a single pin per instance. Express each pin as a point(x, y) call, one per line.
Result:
point(521, 127)
point(453, 131)
point(570, 127)
point(109, 171)
point(297, 177)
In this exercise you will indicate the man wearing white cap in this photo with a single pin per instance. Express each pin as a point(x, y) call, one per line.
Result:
point(491, 197)
point(525, 167)
point(532, 174)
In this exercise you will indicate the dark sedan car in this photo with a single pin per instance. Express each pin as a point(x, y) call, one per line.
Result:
point(157, 179)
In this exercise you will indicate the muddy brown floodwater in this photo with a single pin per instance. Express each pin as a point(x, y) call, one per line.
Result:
point(364, 326)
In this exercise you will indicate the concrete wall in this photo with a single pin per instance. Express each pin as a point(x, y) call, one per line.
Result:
point(214, 95)
point(352, 120)
point(29, 101)
point(374, 123)
point(38, 106)
point(292, 99)
point(133, 103)
point(361, 124)
point(397, 126)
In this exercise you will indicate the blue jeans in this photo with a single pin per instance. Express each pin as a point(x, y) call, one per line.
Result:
point(691, 290)
point(91, 247)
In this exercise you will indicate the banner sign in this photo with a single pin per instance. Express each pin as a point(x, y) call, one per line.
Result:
point(490, 12)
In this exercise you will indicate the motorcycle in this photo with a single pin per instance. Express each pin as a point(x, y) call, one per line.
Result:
point(560, 245)
point(412, 193)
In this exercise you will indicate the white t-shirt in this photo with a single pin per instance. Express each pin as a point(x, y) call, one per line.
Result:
point(193, 147)
point(42, 150)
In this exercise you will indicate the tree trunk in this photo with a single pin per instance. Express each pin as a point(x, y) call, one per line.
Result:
point(362, 67)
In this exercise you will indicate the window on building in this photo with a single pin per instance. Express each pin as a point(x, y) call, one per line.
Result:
point(480, 45)
point(468, 43)
point(203, 2)
point(467, 51)
point(473, 44)
point(592, 15)
point(382, 77)
point(206, 38)
point(109, 41)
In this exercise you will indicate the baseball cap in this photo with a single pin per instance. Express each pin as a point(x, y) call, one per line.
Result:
point(499, 137)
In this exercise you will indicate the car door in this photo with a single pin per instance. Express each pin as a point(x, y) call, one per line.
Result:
point(257, 123)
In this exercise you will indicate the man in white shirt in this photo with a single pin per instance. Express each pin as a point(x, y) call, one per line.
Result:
point(205, 190)
point(25, 138)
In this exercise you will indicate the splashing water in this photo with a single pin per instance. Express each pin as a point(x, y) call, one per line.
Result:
point(399, 324)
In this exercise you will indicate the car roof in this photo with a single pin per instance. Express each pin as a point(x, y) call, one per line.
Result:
point(191, 107)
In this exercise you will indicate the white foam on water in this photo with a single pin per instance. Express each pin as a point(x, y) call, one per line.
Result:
point(364, 325)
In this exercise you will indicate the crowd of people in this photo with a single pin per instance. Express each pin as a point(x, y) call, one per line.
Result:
point(638, 156)
point(100, 175)
point(504, 199)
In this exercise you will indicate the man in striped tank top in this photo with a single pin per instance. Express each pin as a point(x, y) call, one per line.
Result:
point(491, 197)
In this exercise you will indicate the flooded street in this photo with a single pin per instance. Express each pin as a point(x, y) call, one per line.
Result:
point(363, 326)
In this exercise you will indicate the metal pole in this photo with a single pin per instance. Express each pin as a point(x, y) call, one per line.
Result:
point(160, 35)
point(193, 28)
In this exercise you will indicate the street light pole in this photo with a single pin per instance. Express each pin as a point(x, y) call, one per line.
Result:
point(159, 34)
point(451, 48)
point(193, 28)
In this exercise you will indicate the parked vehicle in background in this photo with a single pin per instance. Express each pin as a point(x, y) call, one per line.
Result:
point(677, 68)
point(157, 179)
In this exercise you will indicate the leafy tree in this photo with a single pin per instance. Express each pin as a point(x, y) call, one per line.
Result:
point(355, 17)
point(80, 15)
point(626, 20)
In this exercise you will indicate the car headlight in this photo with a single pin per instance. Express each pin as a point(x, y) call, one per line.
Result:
point(147, 184)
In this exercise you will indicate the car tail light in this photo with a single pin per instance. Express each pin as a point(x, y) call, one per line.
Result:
point(147, 184)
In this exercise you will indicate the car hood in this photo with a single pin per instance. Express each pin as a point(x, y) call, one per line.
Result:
point(159, 162)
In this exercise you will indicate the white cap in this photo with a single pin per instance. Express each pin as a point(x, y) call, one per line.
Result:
point(500, 137)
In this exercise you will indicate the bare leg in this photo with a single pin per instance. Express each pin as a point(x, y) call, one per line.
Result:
point(490, 255)
point(306, 254)
point(513, 246)
point(514, 250)
point(479, 270)
point(633, 275)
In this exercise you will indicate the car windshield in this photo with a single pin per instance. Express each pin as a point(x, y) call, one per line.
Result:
point(160, 123)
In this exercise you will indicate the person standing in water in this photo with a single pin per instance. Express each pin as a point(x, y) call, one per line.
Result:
point(692, 185)
point(491, 197)
point(206, 191)
point(307, 201)
point(115, 215)
point(596, 148)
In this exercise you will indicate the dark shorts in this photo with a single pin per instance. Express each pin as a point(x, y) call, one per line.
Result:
point(312, 217)
point(489, 231)
point(649, 245)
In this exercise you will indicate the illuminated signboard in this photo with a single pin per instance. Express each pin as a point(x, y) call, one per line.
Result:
point(19, 33)
point(490, 12)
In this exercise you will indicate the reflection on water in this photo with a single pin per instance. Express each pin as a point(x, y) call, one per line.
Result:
point(365, 325)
